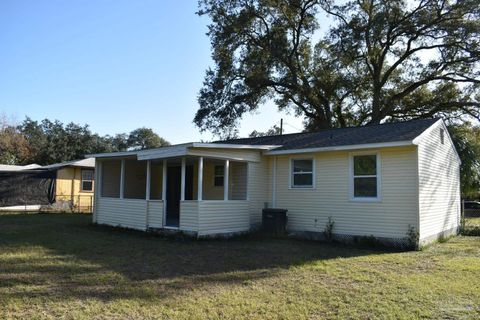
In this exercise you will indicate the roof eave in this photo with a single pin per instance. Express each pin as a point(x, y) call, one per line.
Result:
point(112, 154)
point(234, 146)
point(343, 148)
point(179, 150)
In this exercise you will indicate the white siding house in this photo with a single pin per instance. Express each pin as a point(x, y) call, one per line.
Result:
point(388, 181)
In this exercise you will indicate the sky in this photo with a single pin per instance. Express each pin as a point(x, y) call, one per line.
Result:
point(114, 65)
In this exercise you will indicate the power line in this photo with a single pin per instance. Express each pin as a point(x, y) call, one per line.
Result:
point(291, 126)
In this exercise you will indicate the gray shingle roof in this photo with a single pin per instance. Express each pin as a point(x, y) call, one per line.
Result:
point(86, 163)
point(380, 133)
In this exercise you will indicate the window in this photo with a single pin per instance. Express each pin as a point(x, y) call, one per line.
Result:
point(219, 176)
point(365, 177)
point(87, 180)
point(302, 173)
point(442, 136)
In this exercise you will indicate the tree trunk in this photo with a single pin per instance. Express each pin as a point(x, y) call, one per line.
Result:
point(317, 123)
point(376, 103)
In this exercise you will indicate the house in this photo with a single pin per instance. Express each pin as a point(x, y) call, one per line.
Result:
point(74, 186)
point(64, 186)
point(392, 181)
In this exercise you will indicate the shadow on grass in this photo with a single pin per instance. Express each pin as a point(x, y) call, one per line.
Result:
point(63, 255)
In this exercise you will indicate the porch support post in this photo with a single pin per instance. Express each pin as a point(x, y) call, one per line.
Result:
point(98, 183)
point(226, 180)
point(182, 184)
point(122, 179)
point(200, 179)
point(164, 192)
point(98, 187)
point(147, 188)
point(164, 182)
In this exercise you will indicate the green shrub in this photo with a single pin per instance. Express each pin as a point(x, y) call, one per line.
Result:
point(329, 229)
point(413, 238)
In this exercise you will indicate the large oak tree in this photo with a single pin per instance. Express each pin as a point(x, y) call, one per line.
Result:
point(379, 60)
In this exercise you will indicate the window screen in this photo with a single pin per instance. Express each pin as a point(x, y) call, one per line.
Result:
point(302, 173)
point(87, 180)
point(219, 176)
point(365, 176)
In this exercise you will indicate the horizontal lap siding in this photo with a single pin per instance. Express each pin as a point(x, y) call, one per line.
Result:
point(189, 215)
point(122, 212)
point(223, 217)
point(155, 214)
point(257, 189)
point(439, 184)
point(309, 209)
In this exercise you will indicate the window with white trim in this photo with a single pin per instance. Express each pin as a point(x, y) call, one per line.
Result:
point(365, 176)
point(219, 176)
point(302, 173)
point(87, 180)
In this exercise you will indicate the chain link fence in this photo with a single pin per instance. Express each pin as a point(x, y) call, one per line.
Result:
point(77, 203)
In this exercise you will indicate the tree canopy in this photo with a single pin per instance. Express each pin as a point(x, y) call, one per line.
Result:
point(380, 60)
point(48, 142)
point(14, 147)
point(467, 142)
point(273, 131)
point(145, 138)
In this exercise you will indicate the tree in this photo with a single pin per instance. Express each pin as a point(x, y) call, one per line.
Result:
point(53, 142)
point(467, 142)
point(409, 59)
point(34, 134)
point(273, 131)
point(14, 148)
point(118, 142)
point(380, 60)
point(144, 138)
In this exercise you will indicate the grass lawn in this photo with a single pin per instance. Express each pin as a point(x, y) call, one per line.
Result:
point(472, 226)
point(61, 266)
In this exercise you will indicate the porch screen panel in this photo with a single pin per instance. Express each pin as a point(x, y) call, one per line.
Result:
point(135, 179)
point(238, 181)
point(210, 190)
point(111, 178)
point(156, 180)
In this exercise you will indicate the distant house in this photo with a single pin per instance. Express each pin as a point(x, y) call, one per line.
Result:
point(28, 187)
point(390, 181)
point(74, 185)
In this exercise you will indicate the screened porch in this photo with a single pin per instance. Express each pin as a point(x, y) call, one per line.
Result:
point(189, 193)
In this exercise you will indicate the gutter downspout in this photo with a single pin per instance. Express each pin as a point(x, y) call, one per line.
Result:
point(274, 183)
